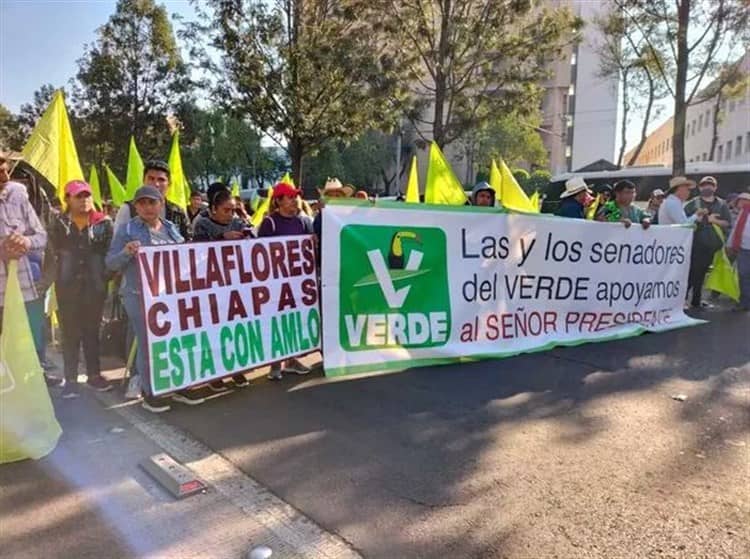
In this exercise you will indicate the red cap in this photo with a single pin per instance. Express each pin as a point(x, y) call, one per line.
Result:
point(285, 189)
point(74, 188)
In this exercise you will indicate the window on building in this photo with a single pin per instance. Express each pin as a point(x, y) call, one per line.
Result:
point(719, 154)
point(728, 151)
point(708, 118)
point(747, 142)
point(732, 104)
point(568, 151)
point(738, 148)
point(705, 156)
point(700, 121)
point(574, 58)
point(572, 89)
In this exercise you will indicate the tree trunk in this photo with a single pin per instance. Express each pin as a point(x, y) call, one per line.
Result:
point(715, 123)
point(624, 124)
point(646, 118)
point(680, 106)
point(438, 128)
point(296, 152)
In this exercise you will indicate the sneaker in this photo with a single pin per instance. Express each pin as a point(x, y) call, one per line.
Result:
point(70, 391)
point(294, 366)
point(99, 384)
point(217, 386)
point(240, 381)
point(275, 372)
point(134, 388)
point(155, 405)
point(188, 398)
point(53, 382)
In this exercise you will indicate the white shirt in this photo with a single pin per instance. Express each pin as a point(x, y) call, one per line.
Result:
point(672, 212)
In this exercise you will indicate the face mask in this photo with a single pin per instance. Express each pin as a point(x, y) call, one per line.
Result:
point(707, 191)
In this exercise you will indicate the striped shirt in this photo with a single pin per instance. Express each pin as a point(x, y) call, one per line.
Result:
point(17, 215)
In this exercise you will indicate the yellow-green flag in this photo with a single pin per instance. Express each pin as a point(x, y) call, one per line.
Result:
point(28, 428)
point(287, 178)
point(590, 211)
point(235, 189)
point(134, 176)
point(442, 185)
point(262, 210)
point(96, 189)
point(177, 179)
point(509, 192)
point(116, 190)
point(535, 199)
point(51, 149)
point(412, 187)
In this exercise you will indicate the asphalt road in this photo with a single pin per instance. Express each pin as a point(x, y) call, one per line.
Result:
point(577, 452)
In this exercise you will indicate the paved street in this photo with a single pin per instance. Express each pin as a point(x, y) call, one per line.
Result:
point(574, 453)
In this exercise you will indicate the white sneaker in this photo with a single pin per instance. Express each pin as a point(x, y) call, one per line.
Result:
point(187, 398)
point(294, 366)
point(134, 388)
point(275, 372)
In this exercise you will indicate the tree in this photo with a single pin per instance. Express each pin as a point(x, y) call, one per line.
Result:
point(472, 59)
point(694, 39)
point(512, 137)
point(129, 81)
point(11, 136)
point(626, 56)
point(304, 71)
point(224, 146)
point(730, 84)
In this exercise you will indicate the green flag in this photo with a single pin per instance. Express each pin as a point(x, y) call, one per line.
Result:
point(177, 180)
point(116, 190)
point(96, 190)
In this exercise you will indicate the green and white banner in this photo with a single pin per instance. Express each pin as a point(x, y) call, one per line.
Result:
point(215, 309)
point(406, 285)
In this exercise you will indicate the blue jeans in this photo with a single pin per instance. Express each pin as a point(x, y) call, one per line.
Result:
point(743, 269)
point(137, 323)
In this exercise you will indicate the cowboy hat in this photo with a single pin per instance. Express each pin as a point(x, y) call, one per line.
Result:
point(334, 185)
point(676, 182)
point(575, 186)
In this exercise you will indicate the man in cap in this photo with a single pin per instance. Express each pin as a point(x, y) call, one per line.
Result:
point(483, 195)
point(573, 199)
point(710, 233)
point(739, 246)
point(156, 174)
point(332, 189)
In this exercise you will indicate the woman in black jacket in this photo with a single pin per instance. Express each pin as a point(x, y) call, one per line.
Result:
point(79, 239)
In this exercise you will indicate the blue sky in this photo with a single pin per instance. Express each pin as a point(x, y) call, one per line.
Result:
point(41, 40)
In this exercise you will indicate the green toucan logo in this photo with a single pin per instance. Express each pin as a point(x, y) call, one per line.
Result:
point(394, 287)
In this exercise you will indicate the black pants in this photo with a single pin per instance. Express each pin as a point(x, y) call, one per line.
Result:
point(80, 317)
point(700, 262)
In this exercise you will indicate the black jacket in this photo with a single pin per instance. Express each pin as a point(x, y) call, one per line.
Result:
point(78, 256)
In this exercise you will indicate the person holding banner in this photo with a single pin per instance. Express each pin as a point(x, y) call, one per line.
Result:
point(221, 223)
point(146, 229)
point(573, 199)
point(79, 239)
point(738, 246)
point(284, 219)
point(622, 209)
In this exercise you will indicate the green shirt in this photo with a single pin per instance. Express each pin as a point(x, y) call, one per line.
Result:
point(613, 213)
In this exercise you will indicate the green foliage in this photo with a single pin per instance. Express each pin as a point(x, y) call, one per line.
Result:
point(521, 176)
point(538, 180)
point(471, 60)
point(303, 71)
point(11, 136)
point(129, 81)
point(363, 163)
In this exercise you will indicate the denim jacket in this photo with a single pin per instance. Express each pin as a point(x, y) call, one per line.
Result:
point(118, 260)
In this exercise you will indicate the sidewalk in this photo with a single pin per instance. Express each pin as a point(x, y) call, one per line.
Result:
point(90, 497)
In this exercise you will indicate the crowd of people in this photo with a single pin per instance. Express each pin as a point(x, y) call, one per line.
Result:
point(83, 251)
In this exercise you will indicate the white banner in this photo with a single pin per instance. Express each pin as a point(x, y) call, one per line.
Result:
point(409, 285)
point(214, 309)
